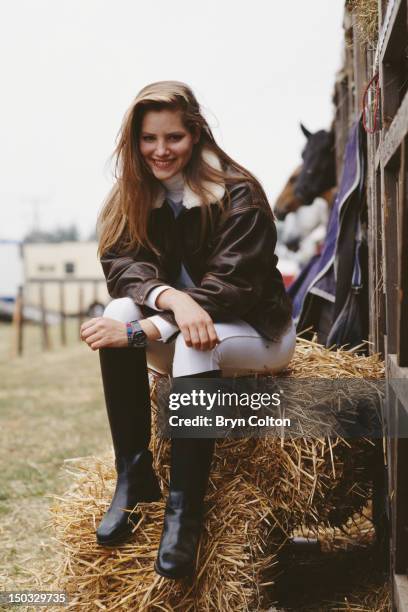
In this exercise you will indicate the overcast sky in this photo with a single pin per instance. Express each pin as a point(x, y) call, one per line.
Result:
point(70, 69)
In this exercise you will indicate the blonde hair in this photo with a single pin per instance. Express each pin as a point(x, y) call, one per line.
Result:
point(123, 220)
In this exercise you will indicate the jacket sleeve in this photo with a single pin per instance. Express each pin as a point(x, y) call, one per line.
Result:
point(242, 257)
point(133, 274)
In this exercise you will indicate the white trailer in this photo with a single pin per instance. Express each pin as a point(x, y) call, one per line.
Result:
point(67, 273)
point(11, 275)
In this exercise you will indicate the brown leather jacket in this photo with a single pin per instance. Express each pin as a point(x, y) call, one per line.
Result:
point(233, 268)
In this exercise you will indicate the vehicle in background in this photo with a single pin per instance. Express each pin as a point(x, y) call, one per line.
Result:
point(11, 276)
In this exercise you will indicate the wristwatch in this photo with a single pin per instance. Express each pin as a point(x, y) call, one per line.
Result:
point(135, 335)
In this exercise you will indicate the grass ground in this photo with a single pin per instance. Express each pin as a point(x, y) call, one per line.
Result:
point(51, 409)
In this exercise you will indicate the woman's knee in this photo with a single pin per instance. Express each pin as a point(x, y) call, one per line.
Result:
point(122, 309)
point(252, 353)
point(188, 361)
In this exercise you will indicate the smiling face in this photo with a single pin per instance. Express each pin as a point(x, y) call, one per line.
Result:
point(165, 143)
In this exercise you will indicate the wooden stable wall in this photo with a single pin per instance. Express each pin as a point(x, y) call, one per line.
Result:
point(387, 202)
point(389, 163)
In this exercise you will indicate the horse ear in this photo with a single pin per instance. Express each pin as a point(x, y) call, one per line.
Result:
point(305, 131)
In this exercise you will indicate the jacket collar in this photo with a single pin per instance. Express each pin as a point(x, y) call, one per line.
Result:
point(191, 199)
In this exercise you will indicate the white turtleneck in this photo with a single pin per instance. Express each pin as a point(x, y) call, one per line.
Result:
point(174, 188)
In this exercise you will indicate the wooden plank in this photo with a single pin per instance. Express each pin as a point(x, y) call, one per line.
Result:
point(401, 507)
point(393, 369)
point(391, 19)
point(396, 409)
point(371, 239)
point(402, 332)
point(377, 158)
point(371, 234)
point(351, 92)
point(359, 67)
point(379, 270)
point(393, 463)
point(382, 11)
point(374, 230)
point(396, 133)
point(401, 593)
point(390, 448)
point(390, 97)
point(389, 199)
point(375, 265)
point(398, 381)
point(86, 279)
point(383, 250)
point(399, 388)
point(342, 120)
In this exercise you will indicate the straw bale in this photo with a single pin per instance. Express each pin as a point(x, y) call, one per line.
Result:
point(366, 13)
point(237, 546)
point(260, 491)
point(312, 360)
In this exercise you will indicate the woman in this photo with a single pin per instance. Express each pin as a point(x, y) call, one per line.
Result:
point(187, 243)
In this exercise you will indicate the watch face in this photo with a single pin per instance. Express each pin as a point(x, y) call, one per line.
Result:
point(139, 338)
point(136, 335)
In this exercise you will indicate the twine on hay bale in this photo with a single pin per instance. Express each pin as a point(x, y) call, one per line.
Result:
point(260, 491)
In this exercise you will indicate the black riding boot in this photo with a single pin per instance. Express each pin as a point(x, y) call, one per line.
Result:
point(189, 471)
point(127, 396)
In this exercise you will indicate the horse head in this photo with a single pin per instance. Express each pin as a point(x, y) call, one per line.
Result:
point(318, 173)
point(287, 201)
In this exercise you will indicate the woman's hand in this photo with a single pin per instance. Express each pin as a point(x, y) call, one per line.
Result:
point(103, 332)
point(194, 322)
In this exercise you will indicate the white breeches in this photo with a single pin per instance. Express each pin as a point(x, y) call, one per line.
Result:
point(241, 349)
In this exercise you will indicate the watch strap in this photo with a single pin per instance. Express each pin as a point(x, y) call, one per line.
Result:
point(135, 334)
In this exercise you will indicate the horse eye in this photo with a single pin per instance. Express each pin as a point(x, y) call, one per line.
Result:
point(292, 180)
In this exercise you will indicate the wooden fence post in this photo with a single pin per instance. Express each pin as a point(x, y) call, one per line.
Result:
point(63, 328)
point(80, 308)
point(46, 345)
point(95, 291)
point(18, 323)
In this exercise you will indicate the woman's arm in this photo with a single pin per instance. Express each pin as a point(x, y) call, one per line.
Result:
point(196, 326)
point(136, 276)
point(103, 332)
point(193, 321)
point(240, 264)
point(132, 274)
point(128, 275)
